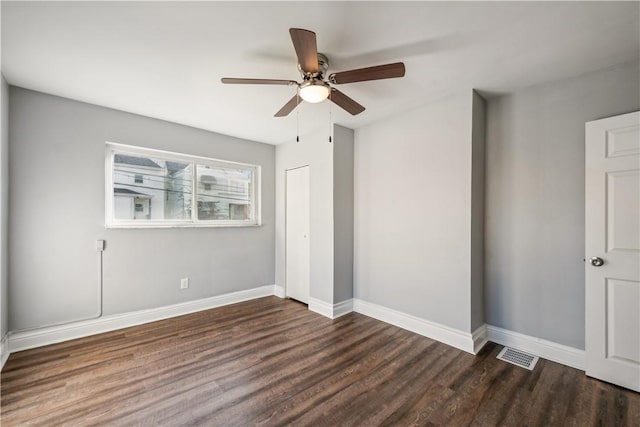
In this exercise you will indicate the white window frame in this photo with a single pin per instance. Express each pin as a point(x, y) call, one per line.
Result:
point(113, 148)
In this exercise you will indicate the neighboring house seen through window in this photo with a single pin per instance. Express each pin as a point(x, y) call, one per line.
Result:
point(151, 188)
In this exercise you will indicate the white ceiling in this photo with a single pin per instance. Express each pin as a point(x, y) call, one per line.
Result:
point(165, 59)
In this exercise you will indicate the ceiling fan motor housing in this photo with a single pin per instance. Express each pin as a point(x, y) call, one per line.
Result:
point(323, 66)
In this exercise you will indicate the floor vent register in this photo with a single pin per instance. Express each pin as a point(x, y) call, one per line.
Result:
point(519, 358)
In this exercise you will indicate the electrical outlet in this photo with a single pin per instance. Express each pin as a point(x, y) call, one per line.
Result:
point(184, 283)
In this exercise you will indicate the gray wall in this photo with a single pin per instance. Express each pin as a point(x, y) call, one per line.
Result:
point(535, 200)
point(56, 212)
point(343, 146)
point(478, 130)
point(412, 218)
point(4, 207)
point(316, 151)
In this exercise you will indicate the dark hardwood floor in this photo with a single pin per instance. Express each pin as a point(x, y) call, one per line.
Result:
point(273, 362)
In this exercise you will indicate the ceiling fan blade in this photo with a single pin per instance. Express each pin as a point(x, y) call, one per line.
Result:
point(378, 72)
point(344, 102)
point(235, 81)
point(304, 42)
point(289, 106)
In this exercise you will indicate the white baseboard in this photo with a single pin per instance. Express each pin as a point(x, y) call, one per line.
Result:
point(471, 343)
point(23, 340)
point(342, 308)
point(480, 337)
point(332, 311)
point(321, 307)
point(4, 351)
point(549, 350)
point(279, 291)
point(453, 337)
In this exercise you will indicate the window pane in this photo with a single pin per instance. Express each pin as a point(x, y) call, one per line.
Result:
point(151, 188)
point(224, 193)
point(147, 188)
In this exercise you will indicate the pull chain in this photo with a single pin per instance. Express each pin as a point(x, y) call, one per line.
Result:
point(298, 117)
point(330, 121)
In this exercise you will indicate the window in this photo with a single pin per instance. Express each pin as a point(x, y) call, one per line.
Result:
point(152, 188)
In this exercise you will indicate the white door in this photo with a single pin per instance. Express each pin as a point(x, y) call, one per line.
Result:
point(297, 234)
point(612, 243)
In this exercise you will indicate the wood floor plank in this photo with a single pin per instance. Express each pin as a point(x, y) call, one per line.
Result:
point(314, 402)
point(347, 384)
point(273, 362)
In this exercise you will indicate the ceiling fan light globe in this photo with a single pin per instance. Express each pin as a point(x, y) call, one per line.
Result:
point(314, 93)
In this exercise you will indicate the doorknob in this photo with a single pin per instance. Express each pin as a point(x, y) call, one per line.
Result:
point(596, 261)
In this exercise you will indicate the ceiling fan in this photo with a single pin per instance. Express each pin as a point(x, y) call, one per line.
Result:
point(316, 86)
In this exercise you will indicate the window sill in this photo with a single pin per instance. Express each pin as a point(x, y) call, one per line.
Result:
point(144, 226)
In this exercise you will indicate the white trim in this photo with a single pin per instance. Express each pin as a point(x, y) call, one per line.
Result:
point(321, 307)
point(23, 340)
point(4, 351)
point(471, 343)
point(342, 308)
point(438, 332)
point(176, 225)
point(332, 311)
point(549, 350)
point(279, 291)
point(480, 337)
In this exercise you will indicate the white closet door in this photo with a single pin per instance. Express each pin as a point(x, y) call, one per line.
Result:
point(612, 241)
point(297, 237)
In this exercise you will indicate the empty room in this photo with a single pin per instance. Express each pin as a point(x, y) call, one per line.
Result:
point(319, 213)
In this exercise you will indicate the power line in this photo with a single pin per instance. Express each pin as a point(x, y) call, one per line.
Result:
point(198, 195)
point(164, 180)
